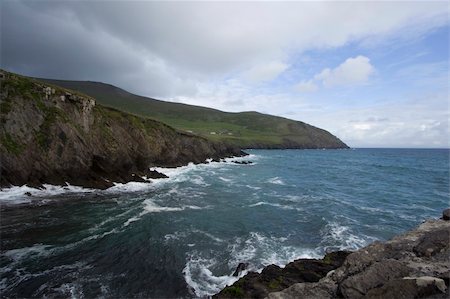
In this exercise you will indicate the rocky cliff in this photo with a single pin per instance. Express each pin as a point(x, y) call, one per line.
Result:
point(53, 135)
point(413, 265)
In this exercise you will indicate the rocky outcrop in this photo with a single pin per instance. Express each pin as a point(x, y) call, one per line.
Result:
point(412, 265)
point(53, 135)
point(273, 278)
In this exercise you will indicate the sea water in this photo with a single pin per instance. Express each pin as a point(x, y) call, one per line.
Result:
point(185, 235)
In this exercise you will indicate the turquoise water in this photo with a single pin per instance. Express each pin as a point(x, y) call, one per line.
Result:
point(184, 236)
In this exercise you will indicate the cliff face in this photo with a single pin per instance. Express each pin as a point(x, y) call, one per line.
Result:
point(53, 135)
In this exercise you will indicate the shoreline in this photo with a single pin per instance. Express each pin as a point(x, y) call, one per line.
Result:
point(26, 194)
point(410, 265)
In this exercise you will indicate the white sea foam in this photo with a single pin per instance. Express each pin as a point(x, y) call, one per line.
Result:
point(276, 180)
point(341, 236)
point(256, 249)
point(262, 251)
point(277, 205)
point(253, 187)
point(198, 276)
point(21, 253)
point(225, 179)
point(16, 194)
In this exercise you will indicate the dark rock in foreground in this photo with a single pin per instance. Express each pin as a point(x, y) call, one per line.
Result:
point(274, 278)
point(412, 265)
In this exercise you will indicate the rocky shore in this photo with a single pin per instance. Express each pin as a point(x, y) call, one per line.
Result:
point(412, 265)
point(57, 136)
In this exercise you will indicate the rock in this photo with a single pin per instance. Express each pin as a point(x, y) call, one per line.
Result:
point(412, 265)
point(358, 285)
point(409, 287)
point(242, 162)
point(273, 278)
point(241, 267)
point(27, 193)
point(215, 160)
point(56, 136)
point(433, 243)
point(153, 174)
point(446, 214)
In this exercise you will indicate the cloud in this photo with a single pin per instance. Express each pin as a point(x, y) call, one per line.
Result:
point(306, 86)
point(352, 71)
point(192, 41)
point(266, 71)
point(422, 121)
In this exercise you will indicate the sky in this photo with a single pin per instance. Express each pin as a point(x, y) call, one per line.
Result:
point(375, 74)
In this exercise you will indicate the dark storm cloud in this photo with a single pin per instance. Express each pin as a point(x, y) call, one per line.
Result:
point(53, 42)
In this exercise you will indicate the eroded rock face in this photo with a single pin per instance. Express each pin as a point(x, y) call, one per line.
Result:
point(273, 278)
point(51, 135)
point(412, 265)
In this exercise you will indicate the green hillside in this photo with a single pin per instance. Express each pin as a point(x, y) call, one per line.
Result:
point(245, 129)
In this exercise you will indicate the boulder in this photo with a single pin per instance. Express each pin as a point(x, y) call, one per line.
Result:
point(433, 243)
point(446, 214)
point(409, 287)
point(379, 273)
point(153, 174)
point(241, 267)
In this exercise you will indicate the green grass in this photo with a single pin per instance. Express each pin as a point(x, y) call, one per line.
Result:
point(243, 129)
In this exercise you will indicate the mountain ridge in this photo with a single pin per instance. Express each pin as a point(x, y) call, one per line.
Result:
point(248, 129)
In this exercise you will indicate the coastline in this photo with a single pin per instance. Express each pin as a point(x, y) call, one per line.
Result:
point(415, 264)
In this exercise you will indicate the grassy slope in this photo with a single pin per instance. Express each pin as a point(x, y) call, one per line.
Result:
point(246, 129)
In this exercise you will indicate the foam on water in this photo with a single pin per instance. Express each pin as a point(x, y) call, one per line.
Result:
point(198, 276)
point(276, 181)
point(338, 236)
point(257, 249)
point(277, 205)
point(16, 194)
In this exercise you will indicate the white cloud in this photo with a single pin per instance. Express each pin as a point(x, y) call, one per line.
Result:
point(419, 122)
point(266, 71)
point(352, 71)
point(306, 86)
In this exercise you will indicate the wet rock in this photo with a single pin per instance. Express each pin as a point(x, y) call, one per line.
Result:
point(242, 162)
point(241, 267)
point(273, 278)
point(446, 214)
point(28, 193)
point(153, 174)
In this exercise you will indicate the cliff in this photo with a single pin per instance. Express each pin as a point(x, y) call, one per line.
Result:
point(243, 129)
point(53, 135)
point(413, 265)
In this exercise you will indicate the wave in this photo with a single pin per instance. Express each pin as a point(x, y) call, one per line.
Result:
point(17, 194)
point(204, 283)
point(280, 206)
point(258, 250)
point(276, 181)
point(338, 236)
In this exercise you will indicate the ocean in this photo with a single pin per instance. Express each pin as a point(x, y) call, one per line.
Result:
point(185, 235)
